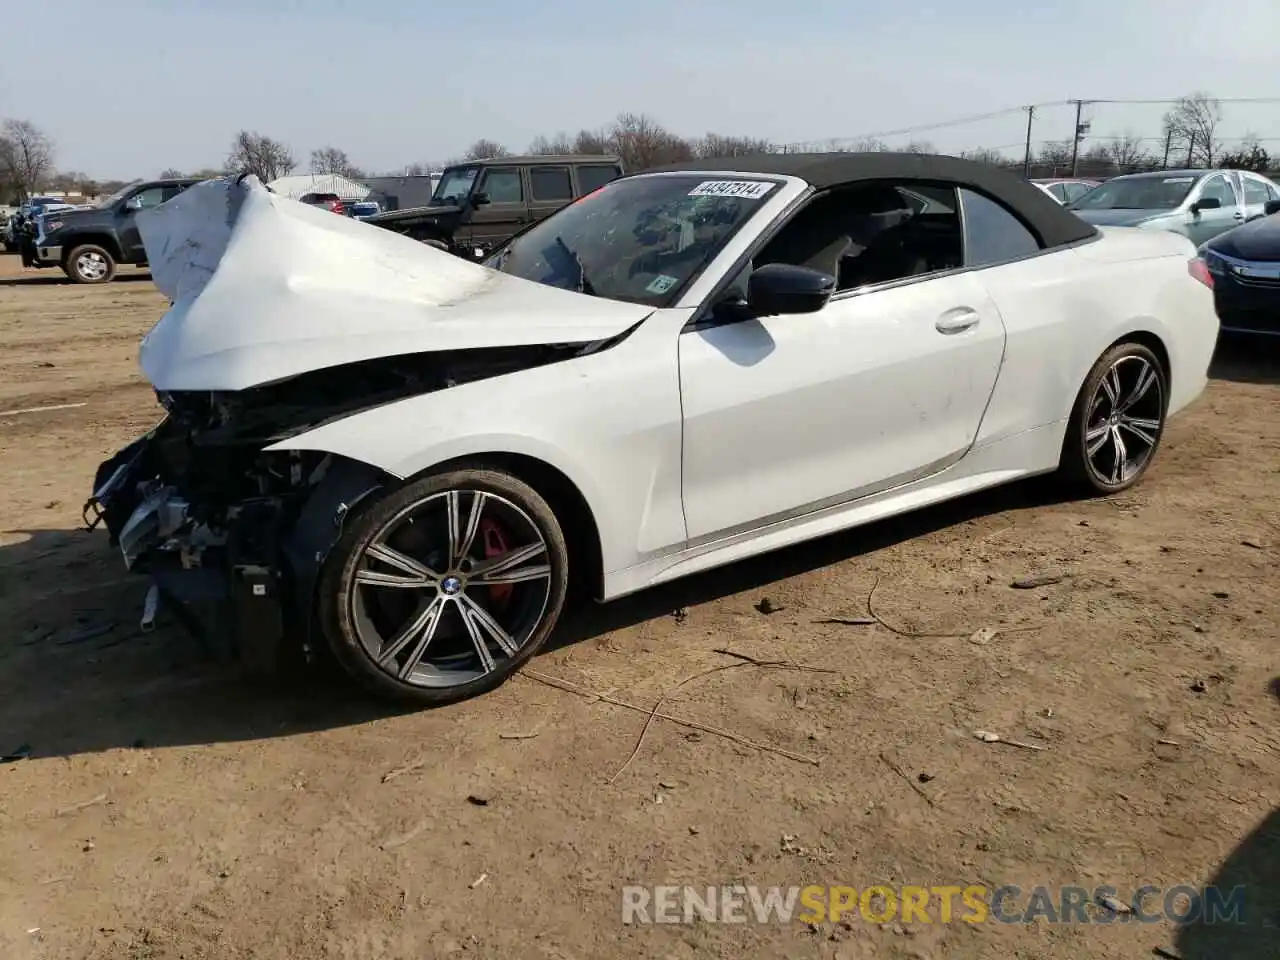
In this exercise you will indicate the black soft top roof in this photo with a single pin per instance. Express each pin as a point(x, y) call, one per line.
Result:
point(1054, 225)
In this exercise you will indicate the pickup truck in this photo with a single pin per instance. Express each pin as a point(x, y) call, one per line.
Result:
point(479, 205)
point(89, 244)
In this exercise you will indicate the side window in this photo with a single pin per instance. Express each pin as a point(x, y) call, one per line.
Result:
point(550, 183)
point(1255, 191)
point(991, 233)
point(502, 184)
point(172, 191)
point(150, 197)
point(1076, 190)
point(1059, 190)
point(1220, 187)
point(595, 176)
point(871, 234)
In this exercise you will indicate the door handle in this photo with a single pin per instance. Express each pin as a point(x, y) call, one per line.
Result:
point(957, 321)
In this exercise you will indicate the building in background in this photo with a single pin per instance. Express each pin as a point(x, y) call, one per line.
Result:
point(300, 185)
point(403, 193)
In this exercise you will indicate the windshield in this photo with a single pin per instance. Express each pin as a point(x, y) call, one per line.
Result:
point(455, 185)
point(640, 240)
point(1140, 193)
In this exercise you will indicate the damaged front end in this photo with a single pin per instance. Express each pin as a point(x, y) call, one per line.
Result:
point(233, 536)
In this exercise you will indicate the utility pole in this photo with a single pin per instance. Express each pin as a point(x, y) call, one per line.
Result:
point(1026, 161)
point(1191, 147)
point(1081, 130)
point(1168, 145)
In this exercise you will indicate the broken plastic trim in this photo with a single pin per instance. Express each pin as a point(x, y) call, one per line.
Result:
point(277, 411)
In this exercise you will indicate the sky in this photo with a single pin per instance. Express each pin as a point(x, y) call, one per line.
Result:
point(132, 87)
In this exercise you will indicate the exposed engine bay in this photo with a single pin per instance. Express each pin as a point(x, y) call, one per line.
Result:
point(233, 536)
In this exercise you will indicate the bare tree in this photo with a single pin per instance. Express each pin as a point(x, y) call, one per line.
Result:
point(331, 160)
point(718, 145)
point(1055, 157)
point(592, 143)
point(26, 156)
point(1249, 155)
point(919, 146)
point(207, 173)
point(256, 153)
point(642, 142)
point(171, 173)
point(486, 150)
point(559, 145)
point(1193, 121)
point(985, 155)
point(1128, 153)
point(868, 145)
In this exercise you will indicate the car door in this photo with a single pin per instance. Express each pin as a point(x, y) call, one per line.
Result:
point(505, 211)
point(1257, 192)
point(784, 415)
point(130, 240)
point(550, 188)
point(1203, 224)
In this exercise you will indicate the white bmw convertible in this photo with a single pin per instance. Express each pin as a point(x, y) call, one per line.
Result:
point(412, 459)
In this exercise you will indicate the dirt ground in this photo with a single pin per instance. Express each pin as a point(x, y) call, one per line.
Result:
point(172, 809)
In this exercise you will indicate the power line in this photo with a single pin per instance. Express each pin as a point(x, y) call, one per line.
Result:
point(1008, 111)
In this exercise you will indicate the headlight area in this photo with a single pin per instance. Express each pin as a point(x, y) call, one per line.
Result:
point(231, 536)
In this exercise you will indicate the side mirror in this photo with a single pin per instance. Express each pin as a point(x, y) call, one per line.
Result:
point(133, 203)
point(479, 199)
point(1206, 203)
point(1271, 207)
point(782, 288)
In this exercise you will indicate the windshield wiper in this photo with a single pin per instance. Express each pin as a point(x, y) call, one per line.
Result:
point(584, 285)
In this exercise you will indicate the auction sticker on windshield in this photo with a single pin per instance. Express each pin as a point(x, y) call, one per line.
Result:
point(747, 189)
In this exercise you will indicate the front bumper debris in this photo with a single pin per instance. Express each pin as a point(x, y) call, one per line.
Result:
point(242, 583)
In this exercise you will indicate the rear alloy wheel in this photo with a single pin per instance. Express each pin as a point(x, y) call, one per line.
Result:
point(90, 264)
point(1118, 420)
point(446, 587)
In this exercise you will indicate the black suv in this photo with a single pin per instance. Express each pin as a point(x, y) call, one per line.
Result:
point(89, 244)
point(479, 205)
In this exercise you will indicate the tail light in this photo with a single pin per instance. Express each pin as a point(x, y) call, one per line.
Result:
point(1200, 270)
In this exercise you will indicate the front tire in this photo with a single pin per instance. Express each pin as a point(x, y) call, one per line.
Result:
point(90, 263)
point(1118, 421)
point(445, 587)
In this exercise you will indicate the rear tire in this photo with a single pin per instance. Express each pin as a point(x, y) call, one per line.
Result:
point(89, 263)
point(1117, 423)
point(417, 558)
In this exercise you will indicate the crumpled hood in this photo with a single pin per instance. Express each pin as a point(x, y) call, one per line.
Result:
point(1118, 218)
point(264, 287)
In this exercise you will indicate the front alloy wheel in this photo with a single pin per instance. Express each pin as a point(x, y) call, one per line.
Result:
point(446, 587)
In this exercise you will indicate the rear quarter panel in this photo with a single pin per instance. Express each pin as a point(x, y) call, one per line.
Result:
point(1064, 309)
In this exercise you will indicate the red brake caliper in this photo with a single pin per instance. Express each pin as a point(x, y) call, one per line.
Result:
point(495, 545)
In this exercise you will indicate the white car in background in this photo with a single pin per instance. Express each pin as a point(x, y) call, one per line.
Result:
point(411, 459)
